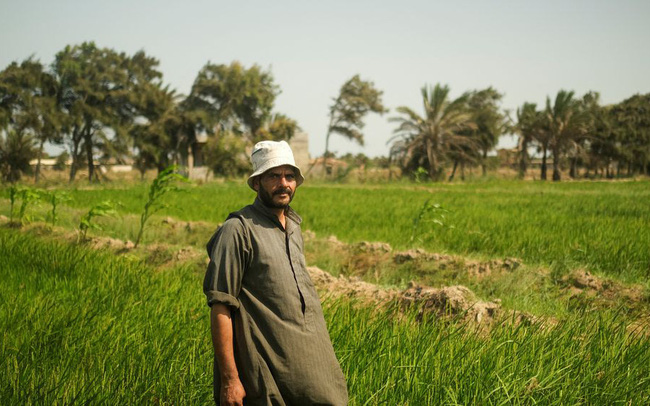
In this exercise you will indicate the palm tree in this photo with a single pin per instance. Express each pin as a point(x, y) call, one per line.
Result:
point(528, 126)
point(17, 148)
point(593, 124)
point(428, 140)
point(566, 123)
point(490, 122)
point(463, 155)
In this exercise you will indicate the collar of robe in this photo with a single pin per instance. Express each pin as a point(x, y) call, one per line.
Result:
point(293, 219)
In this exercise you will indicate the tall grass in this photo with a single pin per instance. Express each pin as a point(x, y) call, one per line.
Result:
point(601, 226)
point(587, 360)
point(81, 326)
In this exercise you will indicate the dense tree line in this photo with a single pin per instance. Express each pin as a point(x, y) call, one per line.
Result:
point(105, 105)
point(581, 133)
point(576, 132)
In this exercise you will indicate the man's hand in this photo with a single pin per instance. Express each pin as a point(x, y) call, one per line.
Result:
point(232, 393)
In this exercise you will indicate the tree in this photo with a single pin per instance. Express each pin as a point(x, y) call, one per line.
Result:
point(99, 92)
point(355, 100)
point(631, 127)
point(233, 97)
point(234, 105)
point(17, 148)
point(542, 140)
point(156, 129)
point(144, 114)
point(464, 153)
point(528, 126)
point(84, 89)
point(30, 103)
point(226, 154)
point(278, 127)
point(592, 124)
point(565, 123)
point(427, 141)
point(490, 122)
point(226, 150)
point(604, 146)
point(61, 160)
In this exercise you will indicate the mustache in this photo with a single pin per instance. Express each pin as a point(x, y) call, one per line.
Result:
point(281, 191)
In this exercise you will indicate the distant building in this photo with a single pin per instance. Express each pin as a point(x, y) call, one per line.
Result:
point(198, 150)
point(47, 162)
point(537, 162)
point(300, 145)
point(112, 165)
point(507, 156)
point(321, 167)
point(195, 161)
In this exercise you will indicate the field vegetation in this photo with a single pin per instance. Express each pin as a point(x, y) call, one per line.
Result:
point(600, 226)
point(481, 292)
point(104, 321)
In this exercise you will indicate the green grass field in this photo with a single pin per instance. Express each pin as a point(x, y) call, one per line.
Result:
point(81, 326)
point(601, 226)
point(87, 326)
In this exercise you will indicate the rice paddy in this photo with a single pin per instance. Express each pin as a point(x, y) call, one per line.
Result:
point(81, 325)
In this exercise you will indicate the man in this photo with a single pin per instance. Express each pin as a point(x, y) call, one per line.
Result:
point(270, 341)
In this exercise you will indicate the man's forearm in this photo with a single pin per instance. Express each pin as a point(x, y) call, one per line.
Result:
point(221, 327)
point(232, 391)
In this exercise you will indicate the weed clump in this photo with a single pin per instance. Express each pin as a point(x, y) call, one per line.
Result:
point(162, 185)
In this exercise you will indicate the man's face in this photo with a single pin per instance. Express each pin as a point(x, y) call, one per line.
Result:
point(276, 186)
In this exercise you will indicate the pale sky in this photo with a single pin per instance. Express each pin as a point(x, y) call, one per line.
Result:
point(525, 49)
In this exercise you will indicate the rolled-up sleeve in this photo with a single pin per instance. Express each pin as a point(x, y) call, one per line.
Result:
point(228, 250)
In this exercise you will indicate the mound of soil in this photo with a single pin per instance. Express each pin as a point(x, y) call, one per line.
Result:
point(335, 241)
point(373, 247)
point(109, 243)
point(581, 279)
point(606, 292)
point(419, 254)
point(189, 226)
point(365, 257)
point(452, 301)
point(155, 254)
point(480, 269)
point(350, 287)
point(165, 255)
point(449, 301)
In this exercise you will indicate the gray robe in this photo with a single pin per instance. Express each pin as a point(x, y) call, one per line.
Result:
point(283, 352)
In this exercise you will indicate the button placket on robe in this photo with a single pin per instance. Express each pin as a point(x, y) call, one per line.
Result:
point(304, 282)
point(296, 276)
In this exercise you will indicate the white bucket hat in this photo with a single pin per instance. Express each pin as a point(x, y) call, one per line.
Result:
point(271, 154)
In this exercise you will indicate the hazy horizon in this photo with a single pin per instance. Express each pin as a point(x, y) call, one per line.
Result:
point(527, 51)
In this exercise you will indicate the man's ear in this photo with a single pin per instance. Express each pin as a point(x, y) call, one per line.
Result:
point(256, 183)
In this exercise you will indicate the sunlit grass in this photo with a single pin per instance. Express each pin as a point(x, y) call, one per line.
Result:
point(604, 227)
point(81, 326)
